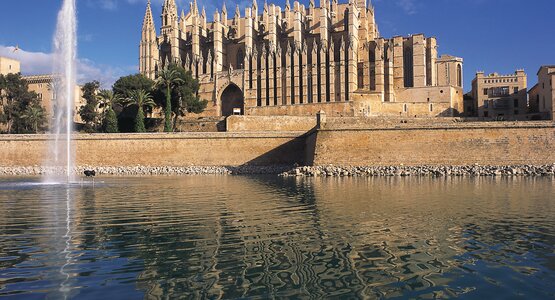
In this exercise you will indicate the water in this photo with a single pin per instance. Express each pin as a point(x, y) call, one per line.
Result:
point(263, 237)
point(61, 155)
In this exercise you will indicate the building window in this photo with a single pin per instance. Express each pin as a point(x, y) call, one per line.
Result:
point(500, 91)
point(459, 75)
point(485, 92)
point(516, 90)
point(486, 104)
point(486, 114)
point(431, 107)
point(408, 67)
point(515, 102)
point(240, 59)
point(516, 112)
point(405, 108)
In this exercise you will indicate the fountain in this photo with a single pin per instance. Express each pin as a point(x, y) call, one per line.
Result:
point(60, 160)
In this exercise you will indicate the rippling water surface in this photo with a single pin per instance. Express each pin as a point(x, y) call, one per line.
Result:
point(262, 237)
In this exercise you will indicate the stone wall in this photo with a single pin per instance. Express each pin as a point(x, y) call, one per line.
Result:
point(175, 149)
point(421, 102)
point(337, 109)
point(199, 124)
point(455, 144)
point(269, 123)
point(339, 143)
point(386, 122)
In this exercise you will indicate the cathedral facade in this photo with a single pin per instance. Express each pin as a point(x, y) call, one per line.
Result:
point(299, 60)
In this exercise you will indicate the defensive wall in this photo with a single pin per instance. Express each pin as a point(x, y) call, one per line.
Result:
point(337, 141)
point(161, 149)
point(492, 143)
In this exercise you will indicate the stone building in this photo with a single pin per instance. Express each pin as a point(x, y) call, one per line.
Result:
point(298, 60)
point(8, 65)
point(42, 85)
point(503, 96)
point(542, 95)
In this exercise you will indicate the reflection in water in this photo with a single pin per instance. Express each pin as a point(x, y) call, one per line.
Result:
point(65, 288)
point(261, 237)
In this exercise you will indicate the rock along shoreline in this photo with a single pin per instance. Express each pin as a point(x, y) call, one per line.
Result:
point(294, 171)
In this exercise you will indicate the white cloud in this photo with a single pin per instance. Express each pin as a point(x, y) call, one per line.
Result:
point(114, 4)
point(409, 6)
point(36, 63)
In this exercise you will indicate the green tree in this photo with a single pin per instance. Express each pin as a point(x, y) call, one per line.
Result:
point(186, 98)
point(107, 99)
point(168, 79)
point(15, 99)
point(111, 122)
point(124, 85)
point(141, 99)
point(89, 112)
point(35, 117)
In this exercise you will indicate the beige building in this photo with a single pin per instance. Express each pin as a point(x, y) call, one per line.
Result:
point(42, 85)
point(534, 100)
point(299, 60)
point(8, 65)
point(499, 96)
point(542, 95)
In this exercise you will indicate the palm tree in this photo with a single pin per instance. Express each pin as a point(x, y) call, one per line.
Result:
point(168, 78)
point(35, 116)
point(142, 99)
point(107, 99)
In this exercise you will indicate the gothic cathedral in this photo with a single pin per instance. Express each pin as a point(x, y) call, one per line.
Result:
point(299, 60)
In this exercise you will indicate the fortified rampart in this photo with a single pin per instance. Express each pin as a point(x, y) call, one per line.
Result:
point(437, 144)
point(338, 141)
point(159, 149)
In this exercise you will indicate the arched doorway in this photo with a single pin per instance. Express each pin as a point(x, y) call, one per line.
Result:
point(232, 98)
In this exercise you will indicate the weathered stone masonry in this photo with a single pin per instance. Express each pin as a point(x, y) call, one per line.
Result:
point(298, 60)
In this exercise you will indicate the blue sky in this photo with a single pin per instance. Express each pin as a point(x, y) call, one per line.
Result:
point(490, 35)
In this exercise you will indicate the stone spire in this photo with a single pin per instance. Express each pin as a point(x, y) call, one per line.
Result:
point(224, 14)
point(148, 48)
point(169, 12)
point(203, 18)
point(148, 22)
point(254, 14)
point(195, 7)
point(181, 21)
point(237, 12)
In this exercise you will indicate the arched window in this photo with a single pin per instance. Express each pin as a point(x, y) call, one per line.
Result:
point(240, 59)
point(459, 75)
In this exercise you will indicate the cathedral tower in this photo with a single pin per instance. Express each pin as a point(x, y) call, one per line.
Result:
point(170, 34)
point(148, 49)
